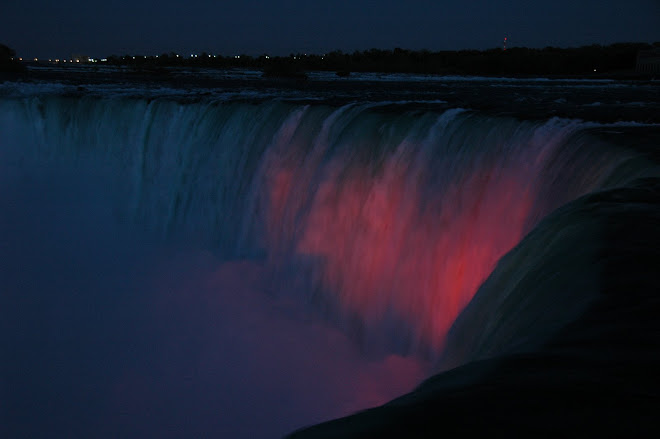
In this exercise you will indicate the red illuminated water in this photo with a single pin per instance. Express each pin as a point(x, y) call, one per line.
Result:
point(388, 253)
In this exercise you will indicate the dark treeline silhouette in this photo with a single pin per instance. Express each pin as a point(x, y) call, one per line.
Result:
point(594, 60)
point(8, 61)
point(615, 58)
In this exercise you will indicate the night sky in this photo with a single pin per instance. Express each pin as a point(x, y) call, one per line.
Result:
point(46, 28)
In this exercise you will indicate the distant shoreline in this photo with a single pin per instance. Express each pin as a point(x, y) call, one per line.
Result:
point(616, 61)
point(156, 73)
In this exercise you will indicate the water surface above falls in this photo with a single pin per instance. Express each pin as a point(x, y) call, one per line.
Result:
point(197, 253)
point(605, 100)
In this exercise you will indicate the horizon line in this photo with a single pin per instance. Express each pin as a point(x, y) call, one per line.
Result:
point(191, 53)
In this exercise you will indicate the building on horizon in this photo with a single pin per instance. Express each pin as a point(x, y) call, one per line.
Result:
point(648, 61)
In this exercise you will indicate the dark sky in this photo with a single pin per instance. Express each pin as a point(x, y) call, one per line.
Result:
point(44, 28)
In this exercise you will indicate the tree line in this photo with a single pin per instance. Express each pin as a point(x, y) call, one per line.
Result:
point(8, 61)
point(584, 60)
point(514, 61)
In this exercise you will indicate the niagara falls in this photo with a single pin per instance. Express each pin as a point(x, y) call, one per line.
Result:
point(240, 248)
point(284, 219)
